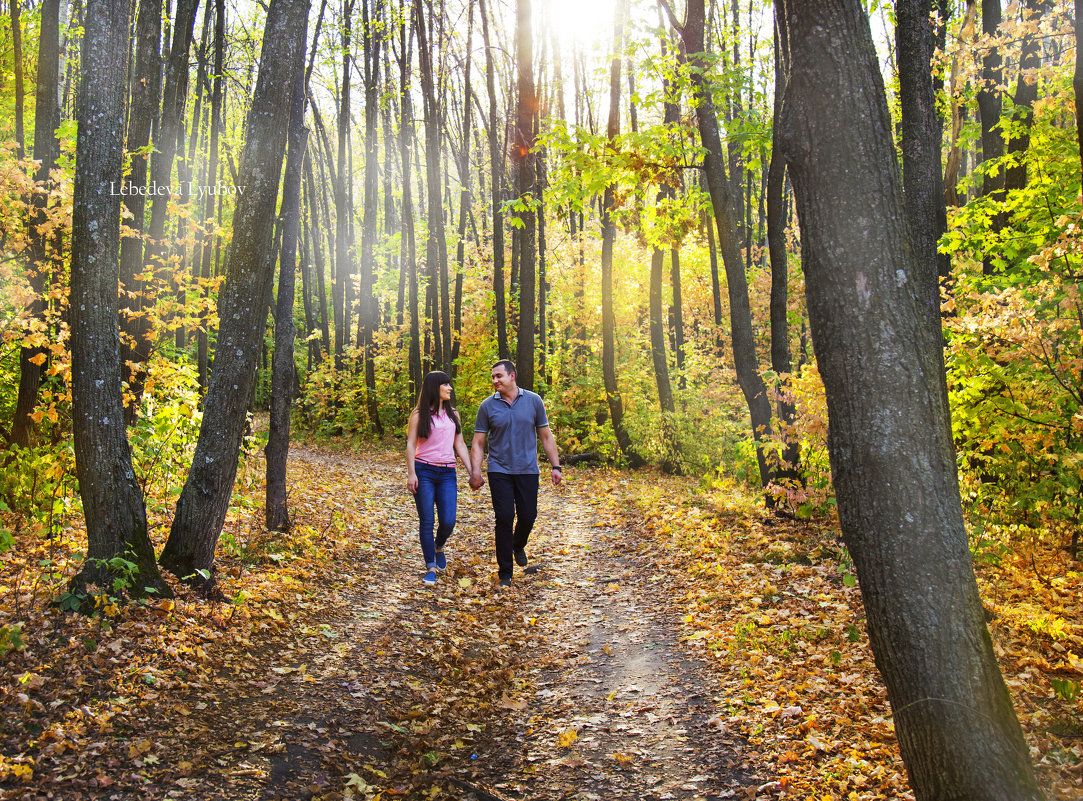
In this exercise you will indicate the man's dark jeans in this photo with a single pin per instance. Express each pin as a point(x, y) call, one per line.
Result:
point(515, 502)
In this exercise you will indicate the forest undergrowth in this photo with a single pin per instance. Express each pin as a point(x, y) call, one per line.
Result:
point(186, 698)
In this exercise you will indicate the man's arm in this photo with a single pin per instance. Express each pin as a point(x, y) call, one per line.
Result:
point(477, 453)
point(550, 445)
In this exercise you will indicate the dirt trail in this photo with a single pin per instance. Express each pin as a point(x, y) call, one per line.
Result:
point(571, 684)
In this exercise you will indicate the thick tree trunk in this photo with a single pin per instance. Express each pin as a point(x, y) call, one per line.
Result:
point(742, 338)
point(922, 137)
point(277, 513)
point(116, 519)
point(524, 159)
point(46, 150)
point(496, 155)
point(203, 503)
point(892, 456)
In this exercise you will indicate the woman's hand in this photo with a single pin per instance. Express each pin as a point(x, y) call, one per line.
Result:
point(411, 484)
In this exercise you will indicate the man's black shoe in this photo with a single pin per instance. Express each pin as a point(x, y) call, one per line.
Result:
point(520, 557)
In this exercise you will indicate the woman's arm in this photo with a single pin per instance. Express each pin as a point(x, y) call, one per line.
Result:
point(460, 445)
point(411, 449)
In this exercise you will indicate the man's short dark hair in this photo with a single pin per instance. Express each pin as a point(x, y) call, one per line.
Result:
point(507, 364)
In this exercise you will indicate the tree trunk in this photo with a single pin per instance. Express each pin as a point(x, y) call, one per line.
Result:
point(786, 468)
point(116, 519)
point(277, 513)
point(889, 441)
point(135, 344)
point(609, 232)
point(743, 340)
point(17, 59)
point(436, 244)
point(317, 253)
point(1077, 79)
point(409, 245)
point(1026, 92)
point(217, 99)
point(989, 110)
point(464, 182)
point(161, 171)
point(524, 160)
point(922, 137)
point(46, 150)
point(343, 211)
point(368, 316)
point(496, 155)
point(203, 503)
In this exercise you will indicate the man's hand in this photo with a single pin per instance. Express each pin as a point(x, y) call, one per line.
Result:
point(556, 476)
point(476, 481)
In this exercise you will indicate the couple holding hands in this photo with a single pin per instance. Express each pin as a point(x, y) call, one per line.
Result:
point(511, 420)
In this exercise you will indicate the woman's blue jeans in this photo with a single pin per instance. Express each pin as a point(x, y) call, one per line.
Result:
point(436, 486)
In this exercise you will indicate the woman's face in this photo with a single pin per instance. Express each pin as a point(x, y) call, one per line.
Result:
point(445, 392)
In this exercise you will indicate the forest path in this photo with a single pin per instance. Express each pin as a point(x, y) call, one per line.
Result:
point(571, 684)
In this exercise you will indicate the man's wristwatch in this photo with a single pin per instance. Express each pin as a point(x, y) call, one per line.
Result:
point(557, 468)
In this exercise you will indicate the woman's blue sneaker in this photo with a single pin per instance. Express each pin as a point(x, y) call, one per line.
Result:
point(430, 578)
point(441, 561)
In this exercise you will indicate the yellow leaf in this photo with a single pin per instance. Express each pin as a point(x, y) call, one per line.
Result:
point(464, 583)
point(567, 737)
point(38, 359)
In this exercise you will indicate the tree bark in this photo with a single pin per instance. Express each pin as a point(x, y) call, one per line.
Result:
point(609, 232)
point(161, 171)
point(135, 345)
point(922, 138)
point(409, 245)
point(17, 59)
point(496, 155)
point(787, 468)
point(203, 503)
point(890, 445)
point(1077, 79)
point(368, 316)
point(435, 242)
point(1026, 92)
point(116, 519)
point(209, 241)
point(343, 210)
point(989, 110)
point(46, 150)
point(524, 160)
point(277, 513)
point(723, 204)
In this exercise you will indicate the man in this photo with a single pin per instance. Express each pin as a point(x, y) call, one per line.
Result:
point(512, 420)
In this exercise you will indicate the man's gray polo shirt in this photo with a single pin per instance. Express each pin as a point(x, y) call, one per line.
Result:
point(512, 431)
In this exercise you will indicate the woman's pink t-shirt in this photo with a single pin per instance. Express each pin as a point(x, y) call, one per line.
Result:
point(439, 446)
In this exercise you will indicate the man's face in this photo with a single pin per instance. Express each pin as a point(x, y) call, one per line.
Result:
point(502, 379)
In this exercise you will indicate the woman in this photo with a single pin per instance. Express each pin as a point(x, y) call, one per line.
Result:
point(434, 436)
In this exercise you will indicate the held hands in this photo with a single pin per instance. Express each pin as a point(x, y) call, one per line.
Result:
point(476, 481)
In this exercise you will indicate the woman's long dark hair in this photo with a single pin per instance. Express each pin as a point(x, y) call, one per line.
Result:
point(429, 400)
